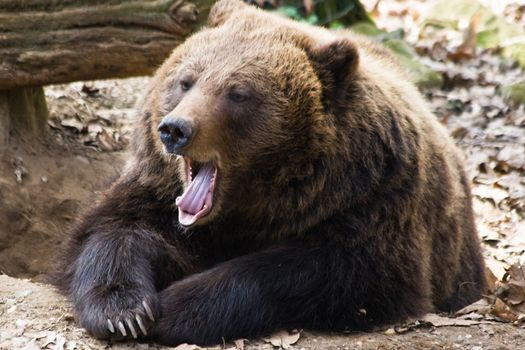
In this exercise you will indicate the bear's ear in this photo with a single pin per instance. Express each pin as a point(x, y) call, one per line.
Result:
point(222, 10)
point(335, 62)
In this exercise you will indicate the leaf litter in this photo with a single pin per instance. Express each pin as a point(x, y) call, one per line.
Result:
point(283, 339)
point(89, 113)
point(487, 122)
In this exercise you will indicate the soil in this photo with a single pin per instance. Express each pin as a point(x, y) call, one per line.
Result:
point(35, 215)
point(45, 181)
point(33, 316)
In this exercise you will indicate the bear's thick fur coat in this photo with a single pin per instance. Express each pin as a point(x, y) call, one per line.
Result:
point(316, 190)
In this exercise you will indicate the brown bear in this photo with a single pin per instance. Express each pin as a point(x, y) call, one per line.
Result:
point(282, 176)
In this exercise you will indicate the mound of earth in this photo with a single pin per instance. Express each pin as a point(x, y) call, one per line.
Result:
point(45, 181)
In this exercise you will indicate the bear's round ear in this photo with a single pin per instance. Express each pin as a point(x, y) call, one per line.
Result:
point(222, 10)
point(336, 62)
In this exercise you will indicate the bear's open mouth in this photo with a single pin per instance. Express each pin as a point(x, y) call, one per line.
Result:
point(197, 199)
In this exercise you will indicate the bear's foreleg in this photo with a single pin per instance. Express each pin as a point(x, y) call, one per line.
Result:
point(113, 289)
point(290, 287)
point(244, 297)
point(119, 256)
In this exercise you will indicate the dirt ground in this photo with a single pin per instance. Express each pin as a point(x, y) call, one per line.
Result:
point(34, 215)
point(44, 182)
point(33, 316)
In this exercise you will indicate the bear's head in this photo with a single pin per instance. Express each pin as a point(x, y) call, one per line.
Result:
point(245, 107)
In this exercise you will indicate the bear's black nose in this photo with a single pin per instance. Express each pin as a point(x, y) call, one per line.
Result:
point(175, 133)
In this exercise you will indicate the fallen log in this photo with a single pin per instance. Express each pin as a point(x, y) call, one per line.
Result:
point(46, 42)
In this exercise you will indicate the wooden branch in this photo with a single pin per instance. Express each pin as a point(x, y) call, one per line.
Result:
point(55, 41)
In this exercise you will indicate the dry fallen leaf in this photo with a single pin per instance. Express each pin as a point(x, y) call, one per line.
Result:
point(517, 239)
point(283, 339)
point(51, 338)
point(439, 321)
point(32, 345)
point(502, 311)
point(239, 344)
point(494, 271)
point(511, 289)
point(186, 346)
point(94, 128)
point(513, 156)
point(390, 331)
point(481, 306)
point(106, 142)
point(72, 123)
point(490, 193)
point(60, 342)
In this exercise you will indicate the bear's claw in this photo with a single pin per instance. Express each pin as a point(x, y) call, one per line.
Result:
point(148, 310)
point(130, 323)
point(131, 328)
point(141, 325)
point(122, 329)
point(111, 328)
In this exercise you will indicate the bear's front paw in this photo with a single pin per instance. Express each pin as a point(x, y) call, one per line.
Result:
point(118, 314)
point(132, 323)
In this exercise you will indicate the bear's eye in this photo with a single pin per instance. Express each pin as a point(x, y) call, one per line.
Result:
point(238, 97)
point(185, 85)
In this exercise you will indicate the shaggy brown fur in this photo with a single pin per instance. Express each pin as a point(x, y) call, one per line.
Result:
point(337, 192)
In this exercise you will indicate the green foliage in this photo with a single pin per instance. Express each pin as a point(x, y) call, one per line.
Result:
point(334, 14)
point(336, 25)
point(422, 75)
point(516, 51)
point(293, 12)
point(367, 29)
point(515, 92)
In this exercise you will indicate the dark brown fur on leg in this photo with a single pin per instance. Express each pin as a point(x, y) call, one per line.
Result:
point(116, 259)
point(324, 288)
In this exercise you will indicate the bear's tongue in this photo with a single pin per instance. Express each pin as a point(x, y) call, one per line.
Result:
point(196, 200)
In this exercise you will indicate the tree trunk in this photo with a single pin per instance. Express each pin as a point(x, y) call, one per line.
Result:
point(58, 41)
point(5, 123)
point(22, 111)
